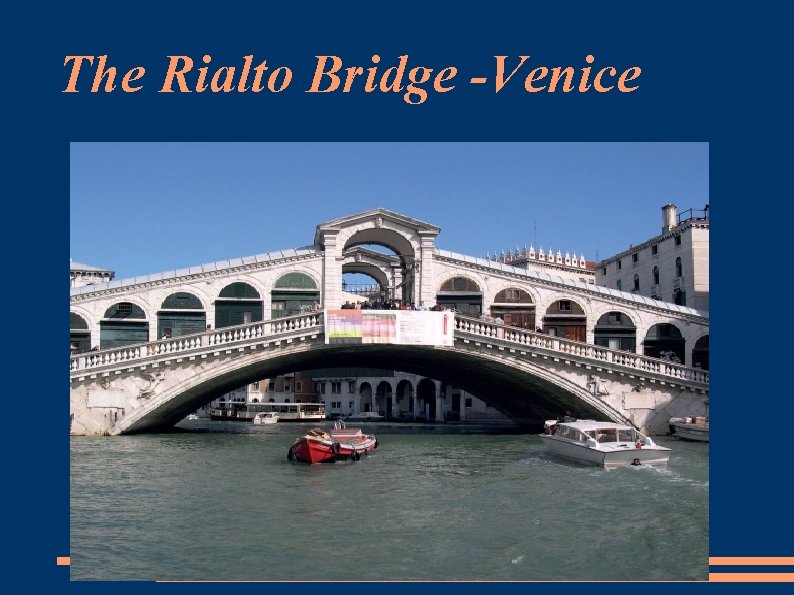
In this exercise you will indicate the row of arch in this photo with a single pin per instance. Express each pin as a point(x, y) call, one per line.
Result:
point(182, 313)
point(395, 403)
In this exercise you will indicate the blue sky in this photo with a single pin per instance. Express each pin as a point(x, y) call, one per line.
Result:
point(141, 208)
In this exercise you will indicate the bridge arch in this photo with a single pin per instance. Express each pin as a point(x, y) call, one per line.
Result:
point(565, 318)
point(181, 313)
point(382, 228)
point(461, 293)
point(700, 352)
point(79, 334)
point(665, 341)
point(124, 323)
point(616, 329)
point(294, 292)
point(515, 306)
point(384, 269)
point(239, 302)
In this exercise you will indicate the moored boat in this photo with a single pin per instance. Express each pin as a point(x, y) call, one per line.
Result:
point(266, 418)
point(338, 444)
point(603, 443)
point(365, 416)
point(695, 429)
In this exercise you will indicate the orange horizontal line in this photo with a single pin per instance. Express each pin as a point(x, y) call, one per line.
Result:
point(479, 79)
point(756, 561)
point(63, 561)
point(751, 577)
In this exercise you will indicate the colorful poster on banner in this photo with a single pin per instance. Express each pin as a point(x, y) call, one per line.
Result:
point(343, 326)
point(397, 327)
point(379, 326)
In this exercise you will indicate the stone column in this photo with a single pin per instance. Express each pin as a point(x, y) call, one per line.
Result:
point(439, 401)
point(424, 281)
point(332, 270)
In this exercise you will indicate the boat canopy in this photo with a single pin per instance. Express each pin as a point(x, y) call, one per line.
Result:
point(601, 432)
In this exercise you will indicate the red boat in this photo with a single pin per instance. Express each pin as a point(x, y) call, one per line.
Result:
point(338, 444)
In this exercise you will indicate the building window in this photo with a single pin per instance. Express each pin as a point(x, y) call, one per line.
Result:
point(635, 257)
point(636, 282)
point(288, 385)
point(255, 385)
point(679, 271)
point(679, 297)
point(322, 388)
point(678, 240)
point(620, 265)
point(654, 249)
point(603, 270)
point(656, 275)
point(298, 386)
point(271, 385)
point(619, 285)
point(468, 403)
point(565, 305)
point(351, 386)
point(336, 387)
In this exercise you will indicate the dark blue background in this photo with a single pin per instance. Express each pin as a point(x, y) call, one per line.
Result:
point(707, 76)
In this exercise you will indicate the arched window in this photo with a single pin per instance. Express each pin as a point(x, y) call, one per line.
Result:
point(180, 314)
point(460, 284)
point(461, 294)
point(293, 293)
point(124, 323)
point(237, 303)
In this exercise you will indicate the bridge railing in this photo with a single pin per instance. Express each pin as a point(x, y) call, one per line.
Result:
point(195, 343)
point(626, 359)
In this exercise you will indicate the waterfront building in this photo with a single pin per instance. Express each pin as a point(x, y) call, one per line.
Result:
point(671, 267)
point(391, 394)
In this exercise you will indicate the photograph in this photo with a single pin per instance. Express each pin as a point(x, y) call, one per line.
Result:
point(469, 354)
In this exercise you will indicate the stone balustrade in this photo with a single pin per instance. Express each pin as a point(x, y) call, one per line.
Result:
point(280, 328)
point(194, 344)
point(517, 337)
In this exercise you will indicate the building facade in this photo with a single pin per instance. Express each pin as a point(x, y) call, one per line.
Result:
point(671, 267)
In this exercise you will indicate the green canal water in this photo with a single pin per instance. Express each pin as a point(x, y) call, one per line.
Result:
point(220, 501)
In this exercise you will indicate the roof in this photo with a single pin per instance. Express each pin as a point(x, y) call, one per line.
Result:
point(219, 265)
point(79, 266)
point(591, 424)
point(600, 289)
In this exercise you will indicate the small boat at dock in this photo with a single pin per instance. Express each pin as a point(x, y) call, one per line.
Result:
point(695, 429)
point(265, 418)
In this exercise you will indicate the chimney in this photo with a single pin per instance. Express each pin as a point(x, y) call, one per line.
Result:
point(669, 217)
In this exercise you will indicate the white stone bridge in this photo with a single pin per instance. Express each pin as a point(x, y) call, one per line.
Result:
point(528, 342)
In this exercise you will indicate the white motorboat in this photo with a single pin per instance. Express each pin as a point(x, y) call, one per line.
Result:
point(265, 418)
point(694, 428)
point(365, 416)
point(603, 443)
